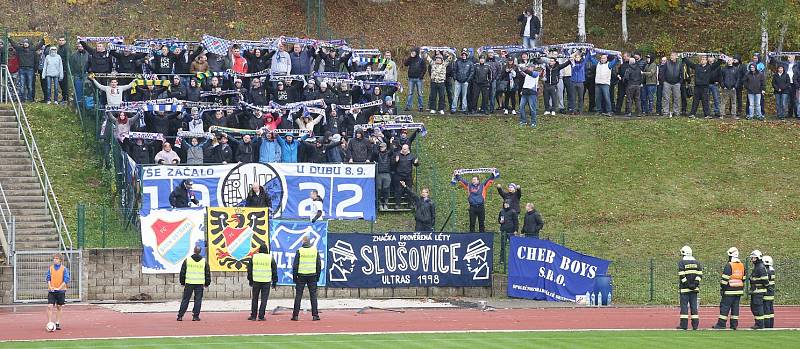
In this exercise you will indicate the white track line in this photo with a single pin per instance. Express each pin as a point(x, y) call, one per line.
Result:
point(371, 333)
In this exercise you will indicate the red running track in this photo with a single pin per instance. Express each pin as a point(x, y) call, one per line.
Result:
point(89, 321)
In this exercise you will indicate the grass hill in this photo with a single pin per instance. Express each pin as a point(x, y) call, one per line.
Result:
point(397, 25)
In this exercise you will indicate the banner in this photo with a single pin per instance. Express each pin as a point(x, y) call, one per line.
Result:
point(347, 190)
point(169, 237)
point(410, 260)
point(543, 270)
point(287, 236)
point(234, 234)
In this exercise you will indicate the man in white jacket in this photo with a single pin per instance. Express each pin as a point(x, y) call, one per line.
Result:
point(53, 72)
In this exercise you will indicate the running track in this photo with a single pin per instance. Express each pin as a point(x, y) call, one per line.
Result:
point(89, 321)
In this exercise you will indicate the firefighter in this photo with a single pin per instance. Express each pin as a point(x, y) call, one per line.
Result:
point(769, 298)
point(690, 273)
point(731, 290)
point(759, 280)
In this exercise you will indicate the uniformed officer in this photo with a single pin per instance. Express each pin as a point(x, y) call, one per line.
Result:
point(306, 271)
point(195, 274)
point(759, 280)
point(731, 290)
point(690, 273)
point(262, 272)
point(769, 298)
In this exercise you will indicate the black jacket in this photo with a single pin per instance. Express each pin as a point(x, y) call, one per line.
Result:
point(703, 73)
point(729, 77)
point(404, 164)
point(780, 83)
point(183, 61)
point(179, 198)
point(246, 152)
point(383, 161)
point(196, 258)
point(258, 200)
point(535, 25)
point(416, 66)
point(533, 223)
point(483, 74)
point(27, 56)
point(296, 265)
point(131, 63)
point(512, 198)
point(250, 271)
point(141, 154)
point(99, 62)
point(673, 72)
point(508, 221)
point(360, 150)
point(424, 211)
point(633, 75)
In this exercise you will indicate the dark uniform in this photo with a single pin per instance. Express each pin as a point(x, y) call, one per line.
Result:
point(731, 291)
point(769, 299)
point(759, 280)
point(195, 275)
point(262, 272)
point(690, 273)
point(306, 271)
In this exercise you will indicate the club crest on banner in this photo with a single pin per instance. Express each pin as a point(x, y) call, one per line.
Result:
point(169, 237)
point(234, 234)
point(236, 185)
point(286, 237)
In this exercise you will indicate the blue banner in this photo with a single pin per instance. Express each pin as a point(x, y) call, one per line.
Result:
point(410, 260)
point(543, 270)
point(347, 190)
point(287, 236)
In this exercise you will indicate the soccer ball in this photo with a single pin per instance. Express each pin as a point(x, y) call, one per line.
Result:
point(51, 326)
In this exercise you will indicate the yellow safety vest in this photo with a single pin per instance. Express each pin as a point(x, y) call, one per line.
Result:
point(195, 271)
point(262, 267)
point(308, 261)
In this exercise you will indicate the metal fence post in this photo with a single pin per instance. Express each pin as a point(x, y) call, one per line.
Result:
point(563, 241)
point(652, 281)
point(81, 225)
point(103, 226)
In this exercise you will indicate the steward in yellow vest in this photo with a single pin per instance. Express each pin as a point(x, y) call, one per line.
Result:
point(305, 271)
point(195, 276)
point(262, 272)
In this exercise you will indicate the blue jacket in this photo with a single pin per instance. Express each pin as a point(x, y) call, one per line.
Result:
point(476, 194)
point(578, 71)
point(268, 151)
point(302, 62)
point(289, 150)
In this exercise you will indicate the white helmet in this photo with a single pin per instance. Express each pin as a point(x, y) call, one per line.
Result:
point(733, 252)
point(767, 260)
point(756, 254)
point(686, 251)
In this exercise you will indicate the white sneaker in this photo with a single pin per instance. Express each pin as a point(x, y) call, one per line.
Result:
point(514, 112)
point(505, 111)
point(433, 111)
point(441, 112)
point(48, 102)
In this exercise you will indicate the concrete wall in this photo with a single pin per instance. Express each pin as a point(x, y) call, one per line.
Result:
point(115, 274)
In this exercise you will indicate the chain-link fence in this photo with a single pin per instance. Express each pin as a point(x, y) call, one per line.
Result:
point(100, 226)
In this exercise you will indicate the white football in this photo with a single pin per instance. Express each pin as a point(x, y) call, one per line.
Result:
point(51, 326)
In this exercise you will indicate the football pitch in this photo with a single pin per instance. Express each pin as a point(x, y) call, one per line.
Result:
point(544, 339)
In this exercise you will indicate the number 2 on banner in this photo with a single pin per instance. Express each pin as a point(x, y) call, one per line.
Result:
point(305, 207)
point(342, 205)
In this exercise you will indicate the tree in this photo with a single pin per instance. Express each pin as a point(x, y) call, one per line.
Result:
point(625, 21)
point(539, 12)
point(582, 21)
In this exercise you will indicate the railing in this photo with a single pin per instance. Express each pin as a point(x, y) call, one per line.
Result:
point(50, 201)
point(8, 227)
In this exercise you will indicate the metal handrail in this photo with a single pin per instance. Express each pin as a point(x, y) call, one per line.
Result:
point(8, 226)
point(37, 162)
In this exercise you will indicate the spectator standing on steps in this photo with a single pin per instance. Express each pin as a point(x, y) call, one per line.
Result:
point(509, 222)
point(404, 162)
point(424, 209)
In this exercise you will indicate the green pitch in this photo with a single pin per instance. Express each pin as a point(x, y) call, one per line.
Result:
point(571, 339)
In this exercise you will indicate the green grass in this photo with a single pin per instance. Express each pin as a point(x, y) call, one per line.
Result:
point(572, 339)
